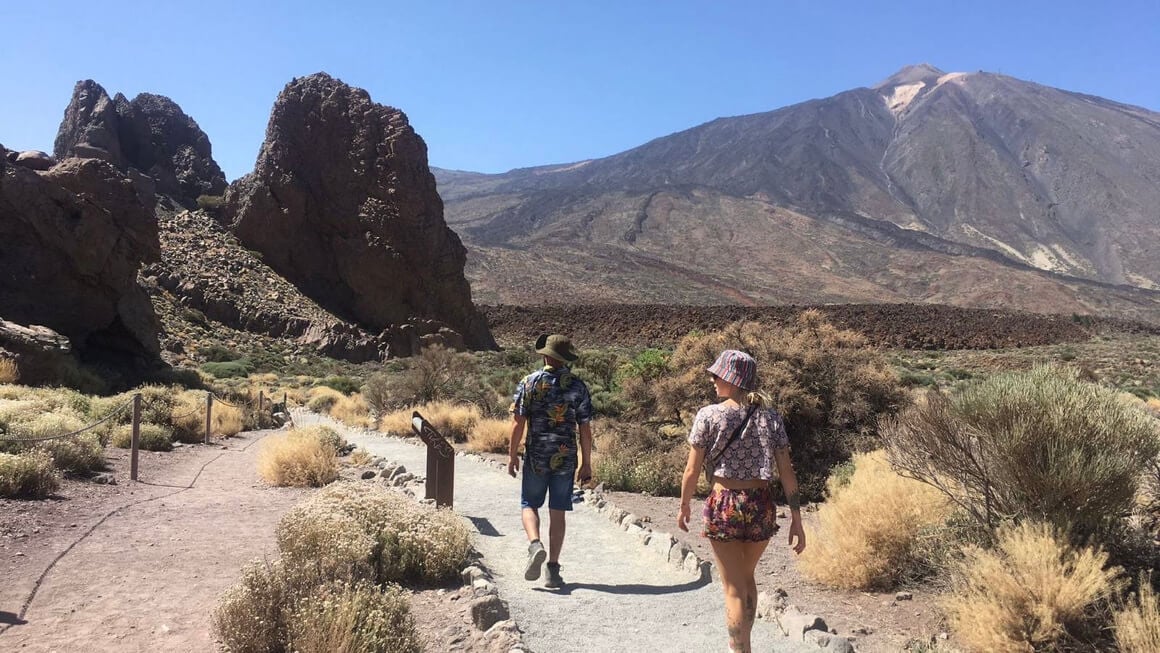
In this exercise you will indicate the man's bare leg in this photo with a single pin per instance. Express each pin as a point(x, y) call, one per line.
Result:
point(531, 518)
point(555, 534)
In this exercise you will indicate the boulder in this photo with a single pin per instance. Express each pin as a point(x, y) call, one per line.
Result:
point(39, 352)
point(72, 240)
point(488, 610)
point(149, 133)
point(342, 203)
point(34, 160)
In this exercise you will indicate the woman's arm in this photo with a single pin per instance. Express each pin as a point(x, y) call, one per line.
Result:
point(689, 484)
point(790, 486)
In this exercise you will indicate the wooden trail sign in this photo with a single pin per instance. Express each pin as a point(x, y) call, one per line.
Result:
point(440, 461)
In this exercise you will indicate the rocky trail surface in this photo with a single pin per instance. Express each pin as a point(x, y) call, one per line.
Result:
point(618, 595)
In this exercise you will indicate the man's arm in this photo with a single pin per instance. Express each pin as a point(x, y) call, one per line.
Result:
point(519, 422)
point(585, 452)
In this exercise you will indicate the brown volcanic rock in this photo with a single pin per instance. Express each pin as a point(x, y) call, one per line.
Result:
point(911, 326)
point(150, 133)
point(206, 269)
point(342, 204)
point(71, 242)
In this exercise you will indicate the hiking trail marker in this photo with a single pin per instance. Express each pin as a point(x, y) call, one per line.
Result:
point(440, 461)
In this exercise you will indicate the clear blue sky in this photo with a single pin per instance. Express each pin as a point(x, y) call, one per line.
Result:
point(497, 85)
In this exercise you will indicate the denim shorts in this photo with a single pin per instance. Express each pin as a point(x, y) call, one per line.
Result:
point(740, 515)
point(557, 487)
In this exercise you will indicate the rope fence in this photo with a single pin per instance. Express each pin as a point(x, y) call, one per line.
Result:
point(259, 405)
point(46, 438)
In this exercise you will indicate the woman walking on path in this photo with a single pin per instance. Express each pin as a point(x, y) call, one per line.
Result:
point(742, 440)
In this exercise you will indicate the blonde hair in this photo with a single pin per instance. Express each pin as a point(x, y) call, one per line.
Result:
point(756, 399)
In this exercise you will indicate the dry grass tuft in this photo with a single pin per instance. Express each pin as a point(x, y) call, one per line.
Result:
point(454, 421)
point(1137, 625)
point(351, 411)
point(29, 475)
point(321, 399)
point(867, 536)
point(301, 458)
point(1034, 592)
point(490, 436)
point(188, 417)
point(9, 372)
point(359, 458)
point(354, 618)
point(227, 421)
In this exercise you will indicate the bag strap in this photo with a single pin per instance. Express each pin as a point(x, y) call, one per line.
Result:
point(736, 432)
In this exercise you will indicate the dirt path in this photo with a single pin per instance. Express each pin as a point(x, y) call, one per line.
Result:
point(142, 572)
point(618, 597)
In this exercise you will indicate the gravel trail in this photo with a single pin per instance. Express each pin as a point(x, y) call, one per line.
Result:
point(618, 596)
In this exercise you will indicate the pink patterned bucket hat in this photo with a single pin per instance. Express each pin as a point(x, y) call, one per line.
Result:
point(736, 367)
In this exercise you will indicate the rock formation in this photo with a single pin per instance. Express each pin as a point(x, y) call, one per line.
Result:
point(150, 133)
point(71, 241)
point(343, 204)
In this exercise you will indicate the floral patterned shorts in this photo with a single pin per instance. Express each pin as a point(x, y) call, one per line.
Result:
point(740, 515)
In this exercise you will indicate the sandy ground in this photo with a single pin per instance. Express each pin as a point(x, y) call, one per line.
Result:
point(136, 566)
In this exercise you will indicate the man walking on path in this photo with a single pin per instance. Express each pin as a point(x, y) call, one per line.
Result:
point(550, 405)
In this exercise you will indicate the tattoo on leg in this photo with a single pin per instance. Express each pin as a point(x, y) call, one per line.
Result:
point(751, 608)
point(735, 644)
point(794, 500)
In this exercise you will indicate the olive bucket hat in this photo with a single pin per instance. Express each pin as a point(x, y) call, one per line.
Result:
point(736, 367)
point(556, 346)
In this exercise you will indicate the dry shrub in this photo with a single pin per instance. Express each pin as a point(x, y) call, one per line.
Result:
point(188, 417)
point(867, 535)
point(9, 372)
point(151, 438)
point(252, 616)
point(29, 475)
point(828, 384)
point(1040, 444)
point(1034, 592)
point(454, 421)
point(638, 458)
point(360, 458)
point(298, 459)
point(79, 454)
point(321, 399)
point(226, 420)
point(328, 436)
point(1137, 624)
point(342, 617)
point(313, 534)
point(351, 411)
point(490, 436)
point(413, 542)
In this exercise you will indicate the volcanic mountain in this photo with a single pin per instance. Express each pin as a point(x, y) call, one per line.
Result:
point(974, 189)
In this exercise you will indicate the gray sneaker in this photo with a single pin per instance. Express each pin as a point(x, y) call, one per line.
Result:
point(536, 557)
point(554, 579)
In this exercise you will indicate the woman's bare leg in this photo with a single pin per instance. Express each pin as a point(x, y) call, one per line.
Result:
point(736, 562)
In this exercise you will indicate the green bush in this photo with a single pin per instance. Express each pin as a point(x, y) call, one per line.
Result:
point(828, 384)
point(29, 475)
point(228, 370)
point(218, 354)
point(322, 403)
point(151, 438)
point(637, 458)
point(343, 384)
point(1037, 445)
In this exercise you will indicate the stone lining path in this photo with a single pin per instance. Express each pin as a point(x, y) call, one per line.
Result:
point(619, 596)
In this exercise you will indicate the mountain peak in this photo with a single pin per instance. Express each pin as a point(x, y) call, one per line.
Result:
point(911, 74)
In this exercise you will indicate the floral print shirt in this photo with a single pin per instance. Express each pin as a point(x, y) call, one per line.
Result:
point(751, 453)
point(554, 402)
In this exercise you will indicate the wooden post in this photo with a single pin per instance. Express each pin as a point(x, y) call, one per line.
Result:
point(440, 484)
point(261, 401)
point(135, 438)
point(208, 415)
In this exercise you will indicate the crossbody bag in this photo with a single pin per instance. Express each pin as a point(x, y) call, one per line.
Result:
point(711, 463)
